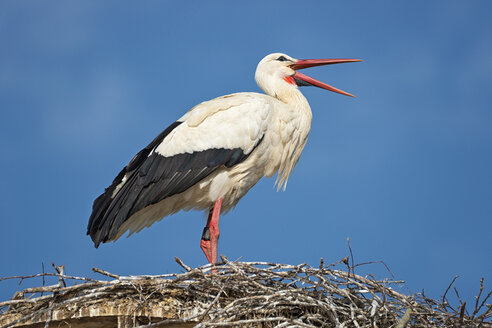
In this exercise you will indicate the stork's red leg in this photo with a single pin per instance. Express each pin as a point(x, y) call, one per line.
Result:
point(211, 233)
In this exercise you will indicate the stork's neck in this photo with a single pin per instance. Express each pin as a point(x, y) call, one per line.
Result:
point(292, 96)
point(289, 94)
point(286, 93)
point(278, 86)
point(295, 124)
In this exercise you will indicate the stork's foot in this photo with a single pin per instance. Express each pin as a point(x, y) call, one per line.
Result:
point(208, 246)
point(210, 236)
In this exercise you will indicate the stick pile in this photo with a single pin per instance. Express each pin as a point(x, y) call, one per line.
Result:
point(247, 294)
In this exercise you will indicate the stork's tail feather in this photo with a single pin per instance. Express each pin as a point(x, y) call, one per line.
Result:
point(99, 224)
point(99, 209)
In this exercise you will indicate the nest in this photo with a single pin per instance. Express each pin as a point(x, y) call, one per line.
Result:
point(244, 294)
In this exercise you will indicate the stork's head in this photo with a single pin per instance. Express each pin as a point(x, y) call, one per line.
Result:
point(278, 73)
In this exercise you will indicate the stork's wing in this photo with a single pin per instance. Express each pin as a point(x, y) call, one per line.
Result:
point(221, 132)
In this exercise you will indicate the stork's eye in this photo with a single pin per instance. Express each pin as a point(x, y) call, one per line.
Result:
point(282, 58)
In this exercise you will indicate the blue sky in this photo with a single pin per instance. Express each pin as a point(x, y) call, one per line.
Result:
point(404, 169)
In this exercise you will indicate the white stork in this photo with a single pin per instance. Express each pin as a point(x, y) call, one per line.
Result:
point(212, 156)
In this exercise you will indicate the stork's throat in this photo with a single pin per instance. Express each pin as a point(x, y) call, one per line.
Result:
point(295, 81)
point(290, 79)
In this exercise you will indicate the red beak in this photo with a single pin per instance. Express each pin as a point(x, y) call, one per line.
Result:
point(304, 80)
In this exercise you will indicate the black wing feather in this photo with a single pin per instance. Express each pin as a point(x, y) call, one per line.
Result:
point(102, 203)
point(152, 178)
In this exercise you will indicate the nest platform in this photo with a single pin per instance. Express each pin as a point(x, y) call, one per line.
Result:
point(235, 294)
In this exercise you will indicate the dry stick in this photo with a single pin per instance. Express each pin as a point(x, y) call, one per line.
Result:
point(25, 300)
point(405, 319)
point(242, 322)
point(343, 260)
point(373, 262)
point(44, 289)
point(57, 288)
point(211, 305)
point(444, 300)
point(300, 323)
point(477, 299)
point(233, 267)
point(485, 300)
point(463, 304)
point(371, 283)
point(351, 254)
point(184, 266)
point(106, 273)
point(487, 313)
point(48, 275)
point(50, 315)
point(166, 323)
point(42, 270)
point(60, 270)
point(352, 316)
point(462, 312)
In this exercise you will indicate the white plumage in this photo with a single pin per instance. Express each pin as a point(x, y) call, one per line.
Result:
point(244, 119)
point(217, 151)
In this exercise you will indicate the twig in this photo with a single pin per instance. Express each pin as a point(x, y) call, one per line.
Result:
point(42, 270)
point(444, 300)
point(477, 299)
point(405, 319)
point(211, 305)
point(167, 323)
point(106, 273)
point(47, 274)
point(462, 312)
point(184, 266)
point(60, 270)
point(351, 255)
point(373, 262)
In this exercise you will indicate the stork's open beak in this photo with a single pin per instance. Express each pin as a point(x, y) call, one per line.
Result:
point(304, 80)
